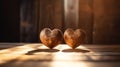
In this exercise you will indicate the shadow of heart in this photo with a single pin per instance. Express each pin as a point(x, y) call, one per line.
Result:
point(75, 50)
point(41, 50)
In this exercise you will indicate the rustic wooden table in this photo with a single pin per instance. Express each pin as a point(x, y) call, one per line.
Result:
point(38, 55)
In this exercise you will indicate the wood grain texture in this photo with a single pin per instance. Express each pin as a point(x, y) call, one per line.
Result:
point(79, 14)
point(106, 22)
point(71, 13)
point(36, 54)
point(100, 19)
point(51, 12)
point(86, 18)
point(29, 20)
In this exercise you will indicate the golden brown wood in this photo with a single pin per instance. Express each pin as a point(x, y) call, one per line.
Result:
point(106, 22)
point(74, 38)
point(79, 14)
point(86, 20)
point(51, 13)
point(51, 38)
point(36, 54)
point(71, 11)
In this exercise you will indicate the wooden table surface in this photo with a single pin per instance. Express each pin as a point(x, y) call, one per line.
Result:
point(38, 55)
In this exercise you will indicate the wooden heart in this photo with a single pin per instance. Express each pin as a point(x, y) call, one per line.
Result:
point(74, 37)
point(51, 38)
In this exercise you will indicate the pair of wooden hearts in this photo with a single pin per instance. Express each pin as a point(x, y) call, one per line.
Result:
point(52, 38)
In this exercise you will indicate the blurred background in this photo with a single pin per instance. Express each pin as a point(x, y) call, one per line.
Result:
point(22, 20)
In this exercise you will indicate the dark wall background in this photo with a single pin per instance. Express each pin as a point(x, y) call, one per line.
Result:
point(10, 21)
point(99, 18)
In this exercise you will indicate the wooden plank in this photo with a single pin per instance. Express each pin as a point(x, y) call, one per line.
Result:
point(26, 51)
point(29, 20)
point(50, 14)
point(36, 54)
point(61, 64)
point(78, 14)
point(86, 18)
point(106, 22)
point(71, 12)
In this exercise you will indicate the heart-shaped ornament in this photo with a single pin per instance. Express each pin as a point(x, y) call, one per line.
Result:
point(51, 38)
point(74, 38)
